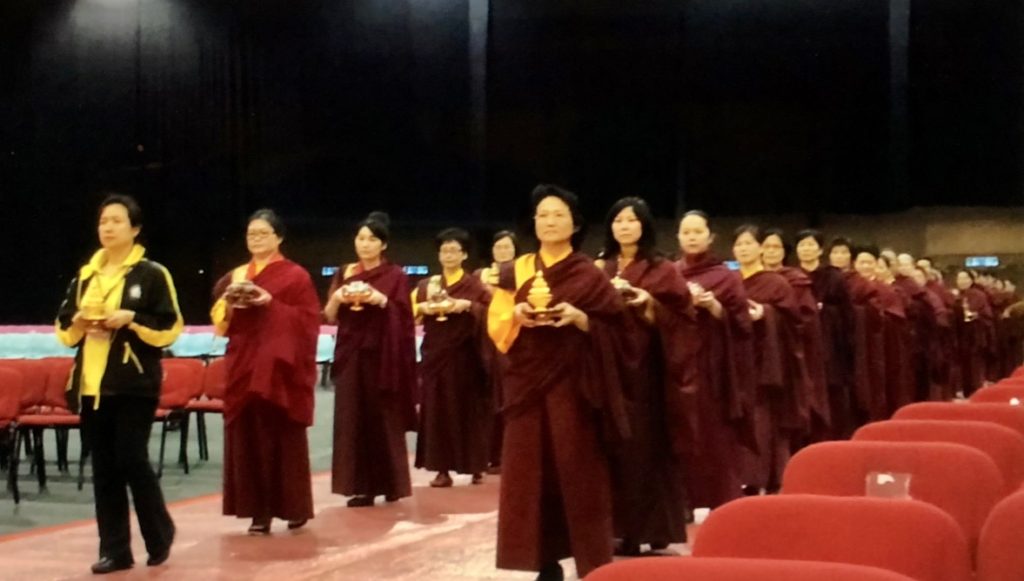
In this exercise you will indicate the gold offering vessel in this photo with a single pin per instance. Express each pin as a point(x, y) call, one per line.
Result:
point(540, 297)
point(94, 308)
point(438, 298)
point(357, 292)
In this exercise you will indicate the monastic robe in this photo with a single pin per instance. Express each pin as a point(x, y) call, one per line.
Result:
point(456, 410)
point(374, 376)
point(563, 405)
point(268, 400)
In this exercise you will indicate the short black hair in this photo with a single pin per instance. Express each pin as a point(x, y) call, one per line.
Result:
point(751, 229)
point(501, 234)
point(866, 249)
point(379, 223)
point(270, 217)
point(453, 235)
point(648, 235)
point(134, 210)
point(811, 233)
point(570, 199)
point(841, 241)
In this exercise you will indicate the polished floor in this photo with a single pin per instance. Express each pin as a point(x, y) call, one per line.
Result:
point(437, 534)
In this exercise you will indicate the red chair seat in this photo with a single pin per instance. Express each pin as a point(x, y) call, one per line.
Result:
point(906, 536)
point(206, 405)
point(45, 420)
point(712, 569)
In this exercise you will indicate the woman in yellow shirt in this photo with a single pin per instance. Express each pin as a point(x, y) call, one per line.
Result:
point(120, 311)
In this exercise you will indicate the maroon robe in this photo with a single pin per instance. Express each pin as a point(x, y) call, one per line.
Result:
point(495, 364)
point(899, 377)
point(374, 376)
point(268, 400)
point(648, 485)
point(783, 384)
point(725, 385)
point(868, 348)
point(974, 337)
point(948, 339)
point(836, 329)
point(456, 408)
point(923, 319)
point(563, 403)
point(814, 356)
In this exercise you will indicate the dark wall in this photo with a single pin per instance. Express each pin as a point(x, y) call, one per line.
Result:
point(326, 110)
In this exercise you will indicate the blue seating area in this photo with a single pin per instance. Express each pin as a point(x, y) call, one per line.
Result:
point(38, 342)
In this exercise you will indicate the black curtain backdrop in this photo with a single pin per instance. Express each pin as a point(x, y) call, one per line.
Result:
point(449, 111)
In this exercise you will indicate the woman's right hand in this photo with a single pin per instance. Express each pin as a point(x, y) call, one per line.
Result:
point(339, 296)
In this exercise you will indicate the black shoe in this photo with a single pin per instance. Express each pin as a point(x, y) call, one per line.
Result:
point(297, 524)
point(626, 548)
point(158, 558)
point(552, 572)
point(356, 501)
point(259, 526)
point(659, 546)
point(392, 498)
point(108, 565)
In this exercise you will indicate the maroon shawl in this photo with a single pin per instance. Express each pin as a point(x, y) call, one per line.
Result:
point(271, 351)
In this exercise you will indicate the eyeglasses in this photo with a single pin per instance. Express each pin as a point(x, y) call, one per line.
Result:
point(259, 234)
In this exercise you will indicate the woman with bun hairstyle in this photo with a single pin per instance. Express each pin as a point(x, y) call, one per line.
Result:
point(374, 370)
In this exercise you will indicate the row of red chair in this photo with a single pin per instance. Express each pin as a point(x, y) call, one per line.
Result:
point(32, 400)
point(961, 522)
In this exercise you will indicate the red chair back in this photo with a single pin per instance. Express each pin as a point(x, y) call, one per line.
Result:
point(908, 537)
point(12, 383)
point(183, 381)
point(1000, 557)
point(1000, 393)
point(962, 481)
point(215, 379)
point(1019, 372)
point(33, 373)
point(1003, 445)
point(58, 373)
point(711, 569)
point(1010, 416)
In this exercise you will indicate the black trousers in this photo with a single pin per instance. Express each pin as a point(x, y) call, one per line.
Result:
point(117, 435)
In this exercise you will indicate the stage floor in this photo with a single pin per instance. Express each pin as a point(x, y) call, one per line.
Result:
point(436, 535)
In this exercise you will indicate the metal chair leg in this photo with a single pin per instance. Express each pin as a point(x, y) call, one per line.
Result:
point(163, 442)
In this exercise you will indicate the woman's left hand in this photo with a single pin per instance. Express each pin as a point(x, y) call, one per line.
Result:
point(756, 310)
point(119, 318)
point(461, 305)
point(262, 298)
point(570, 315)
point(642, 297)
point(377, 298)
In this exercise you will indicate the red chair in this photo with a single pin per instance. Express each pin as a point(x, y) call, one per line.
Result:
point(908, 537)
point(38, 415)
point(1000, 557)
point(962, 481)
point(711, 569)
point(11, 385)
point(215, 380)
point(1003, 445)
point(1010, 416)
point(58, 374)
point(1000, 393)
point(33, 371)
point(182, 383)
point(1019, 372)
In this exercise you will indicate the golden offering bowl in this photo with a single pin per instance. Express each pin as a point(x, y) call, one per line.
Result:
point(442, 304)
point(623, 287)
point(241, 293)
point(356, 292)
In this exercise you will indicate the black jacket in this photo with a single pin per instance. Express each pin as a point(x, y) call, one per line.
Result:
point(133, 365)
